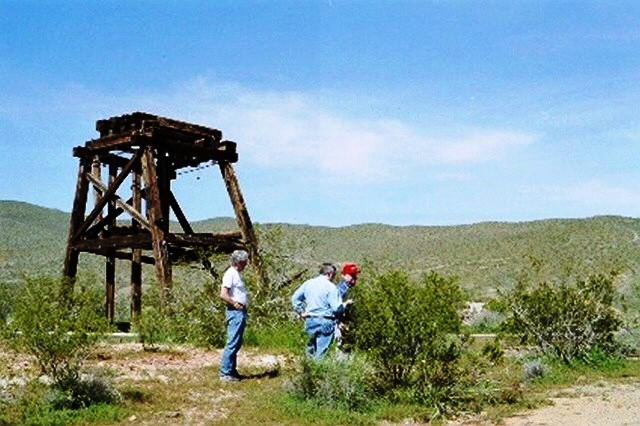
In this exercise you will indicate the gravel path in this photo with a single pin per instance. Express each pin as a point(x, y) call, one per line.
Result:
point(602, 404)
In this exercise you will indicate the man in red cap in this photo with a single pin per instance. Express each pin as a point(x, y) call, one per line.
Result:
point(350, 273)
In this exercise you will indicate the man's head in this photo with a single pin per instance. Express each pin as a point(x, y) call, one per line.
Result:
point(350, 272)
point(328, 270)
point(239, 259)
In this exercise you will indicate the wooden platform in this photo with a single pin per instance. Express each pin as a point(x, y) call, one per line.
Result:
point(149, 151)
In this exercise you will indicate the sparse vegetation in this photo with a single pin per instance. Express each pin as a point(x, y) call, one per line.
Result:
point(410, 357)
point(569, 321)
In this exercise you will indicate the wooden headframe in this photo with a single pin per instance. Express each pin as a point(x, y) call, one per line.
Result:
point(149, 150)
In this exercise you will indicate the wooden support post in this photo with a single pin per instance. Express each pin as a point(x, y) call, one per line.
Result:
point(243, 219)
point(77, 217)
point(136, 256)
point(156, 220)
point(110, 268)
point(96, 172)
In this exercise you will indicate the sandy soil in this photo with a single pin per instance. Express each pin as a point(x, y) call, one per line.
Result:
point(597, 404)
point(600, 404)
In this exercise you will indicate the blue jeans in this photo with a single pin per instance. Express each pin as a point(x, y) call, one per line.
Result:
point(320, 332)
point(236, 323)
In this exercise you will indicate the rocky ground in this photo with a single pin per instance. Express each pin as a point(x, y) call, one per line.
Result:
point(602, 403)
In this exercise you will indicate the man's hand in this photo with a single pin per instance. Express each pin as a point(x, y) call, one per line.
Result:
point(348, 302)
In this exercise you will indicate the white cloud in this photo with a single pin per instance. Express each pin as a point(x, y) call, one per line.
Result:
point(594, 193)
point(480, 146)
point(292, 129)
point(297, 130)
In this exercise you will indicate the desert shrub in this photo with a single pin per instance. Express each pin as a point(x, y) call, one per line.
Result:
point(335, 383)
point(152, 327)
point(565, 320)
point(194, 316)
point(487, 321)
point(36, 404)
point(400, 322)
point(58, 333)
point(285, 263)
point(7, 294)
point(493, 351)
point(437, 379)
point(81, 392)
point(533, 369)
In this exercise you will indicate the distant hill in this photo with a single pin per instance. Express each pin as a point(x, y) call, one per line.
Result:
point(484, 256)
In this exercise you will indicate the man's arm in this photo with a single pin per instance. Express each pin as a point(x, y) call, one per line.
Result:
point(298, 300)
point(335, 302)
point(226, 296)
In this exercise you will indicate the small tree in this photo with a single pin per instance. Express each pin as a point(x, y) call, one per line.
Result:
point(565, 320)
point(399, 322)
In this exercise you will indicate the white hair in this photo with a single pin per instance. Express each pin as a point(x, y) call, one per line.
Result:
point(239, 256)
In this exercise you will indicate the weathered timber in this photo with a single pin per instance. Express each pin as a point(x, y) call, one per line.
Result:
point(107, 194)
point(122, 142)
point(77, 216)
point(159, 243)
point(124, 206)
point(242, 217)
point(110, 267)
point(138, 120)
point(150, 149)
point(136, 254)
point(96, 172)
point(177, 210)
point(224, 243)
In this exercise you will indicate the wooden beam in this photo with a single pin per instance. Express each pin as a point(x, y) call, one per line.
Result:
point(182, 219)
point(77, 215)
point(121, 255)
point(96, 172)
point(227, 241)
point(110, 267)
point(124, 206)
point(136, 254)
point(111, 142)
point(159, 243)
point(243, 219)
point(107, 194)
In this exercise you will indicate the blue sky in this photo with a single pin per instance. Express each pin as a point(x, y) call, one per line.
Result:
point(345, 112)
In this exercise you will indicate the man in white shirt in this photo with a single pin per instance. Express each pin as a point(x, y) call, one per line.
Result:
point(234, 293)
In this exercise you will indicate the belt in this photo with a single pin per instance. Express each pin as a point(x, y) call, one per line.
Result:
point(231, 308)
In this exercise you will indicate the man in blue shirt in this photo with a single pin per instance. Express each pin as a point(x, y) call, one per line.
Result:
point(318, 302)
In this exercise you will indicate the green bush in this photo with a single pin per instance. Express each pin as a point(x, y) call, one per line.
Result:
point(82, 392)
point(399, 322)
point(335, 383)
point(194, 316)
point(565, 320)
point(7, 294)
point(437, 379)
point(59, 334)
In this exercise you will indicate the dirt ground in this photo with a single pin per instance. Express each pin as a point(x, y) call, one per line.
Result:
point(600, 404)
point(596, 404)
